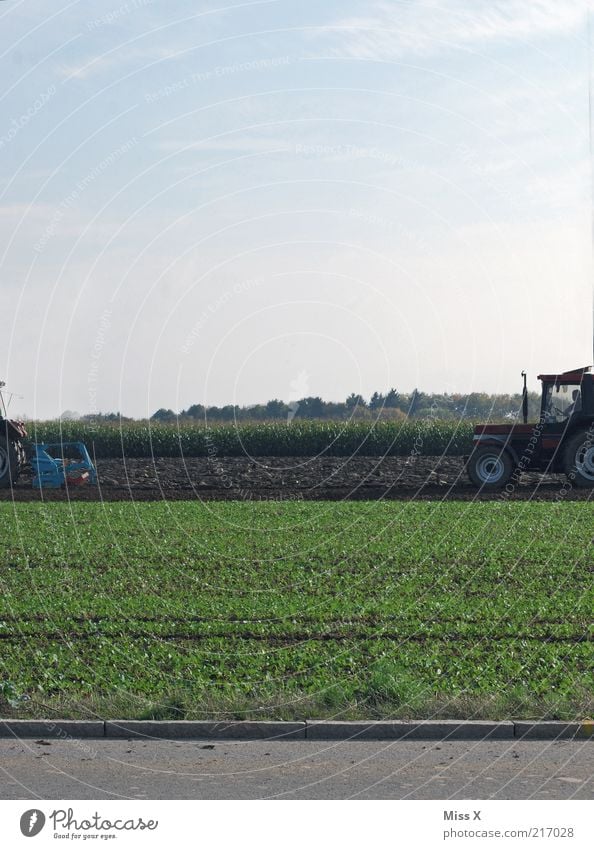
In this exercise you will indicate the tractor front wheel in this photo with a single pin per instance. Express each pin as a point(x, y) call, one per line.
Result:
point(11, 460)
point(578, 459)
point(490, 467)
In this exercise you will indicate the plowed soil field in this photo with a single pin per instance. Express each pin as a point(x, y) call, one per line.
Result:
point(274, 478)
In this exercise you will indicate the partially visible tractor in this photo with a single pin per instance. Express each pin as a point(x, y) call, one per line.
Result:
point(12, 451)
point(562, 441)
point(63, 464)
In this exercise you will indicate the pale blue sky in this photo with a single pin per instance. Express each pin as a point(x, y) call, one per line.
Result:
point(286, 198)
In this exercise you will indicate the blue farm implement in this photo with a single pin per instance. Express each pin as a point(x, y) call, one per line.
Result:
point(73, 466)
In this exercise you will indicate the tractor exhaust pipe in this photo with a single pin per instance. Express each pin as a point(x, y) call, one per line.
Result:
point(524, 400)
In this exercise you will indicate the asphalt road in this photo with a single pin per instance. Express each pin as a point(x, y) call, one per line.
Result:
point(114, 769)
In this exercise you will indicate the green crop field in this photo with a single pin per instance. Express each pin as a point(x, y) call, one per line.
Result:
point(299, 439)
point(296, 609)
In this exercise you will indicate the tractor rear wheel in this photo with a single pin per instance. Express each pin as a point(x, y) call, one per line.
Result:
point(490, 467)
point(12, 458)
point(578, 459)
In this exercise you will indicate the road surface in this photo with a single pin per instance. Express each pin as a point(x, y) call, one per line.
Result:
point(122, 769)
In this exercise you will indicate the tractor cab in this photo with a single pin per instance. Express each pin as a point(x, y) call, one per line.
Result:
point(566, 396)
point(561, 441)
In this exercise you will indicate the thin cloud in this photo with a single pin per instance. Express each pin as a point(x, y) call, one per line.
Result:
point(397, 29)
point(113, 59)
point(13, 210)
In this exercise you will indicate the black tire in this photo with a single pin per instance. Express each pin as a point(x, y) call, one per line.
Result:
point(490, 467)
point(578, 459)
point(12, 459)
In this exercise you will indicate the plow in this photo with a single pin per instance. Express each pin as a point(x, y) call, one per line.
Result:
point(54, 465)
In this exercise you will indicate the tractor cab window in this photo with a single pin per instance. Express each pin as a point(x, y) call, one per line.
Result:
point(561, 401)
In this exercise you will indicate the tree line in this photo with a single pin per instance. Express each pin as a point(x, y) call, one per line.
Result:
point(390, 405)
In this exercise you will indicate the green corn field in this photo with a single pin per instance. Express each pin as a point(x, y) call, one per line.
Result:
point(300, 439)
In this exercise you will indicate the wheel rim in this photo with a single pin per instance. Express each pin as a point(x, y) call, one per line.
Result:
point(490, 468)
point(4, 464)
point(584, 461)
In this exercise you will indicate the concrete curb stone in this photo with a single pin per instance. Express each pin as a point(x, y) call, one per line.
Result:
point(551, 730)
point(205, 730)
point(62, 729)
point(448, 729)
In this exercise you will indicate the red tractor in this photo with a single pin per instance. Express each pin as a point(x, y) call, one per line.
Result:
point(562, 441)
point(12, 452)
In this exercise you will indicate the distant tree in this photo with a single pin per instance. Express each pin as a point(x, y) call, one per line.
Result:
point(335, 410)
point(276, 409)
point(225, 414)
point(377, 401)
point(413, 402)
point(254, 412)
point(392, 399)
point(477, 406)
point(355, 401)
point(196, 411)
point(163, 415)
point(310, 408)
point(106, 417)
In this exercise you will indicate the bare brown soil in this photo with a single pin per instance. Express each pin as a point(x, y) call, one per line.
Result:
point(274, 478)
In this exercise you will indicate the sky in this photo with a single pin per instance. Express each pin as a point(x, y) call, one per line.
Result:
point(209, 203)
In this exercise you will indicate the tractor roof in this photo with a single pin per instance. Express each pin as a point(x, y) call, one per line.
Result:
point(573, 376)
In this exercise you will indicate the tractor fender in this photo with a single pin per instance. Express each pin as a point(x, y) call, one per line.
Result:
point(494, 439)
